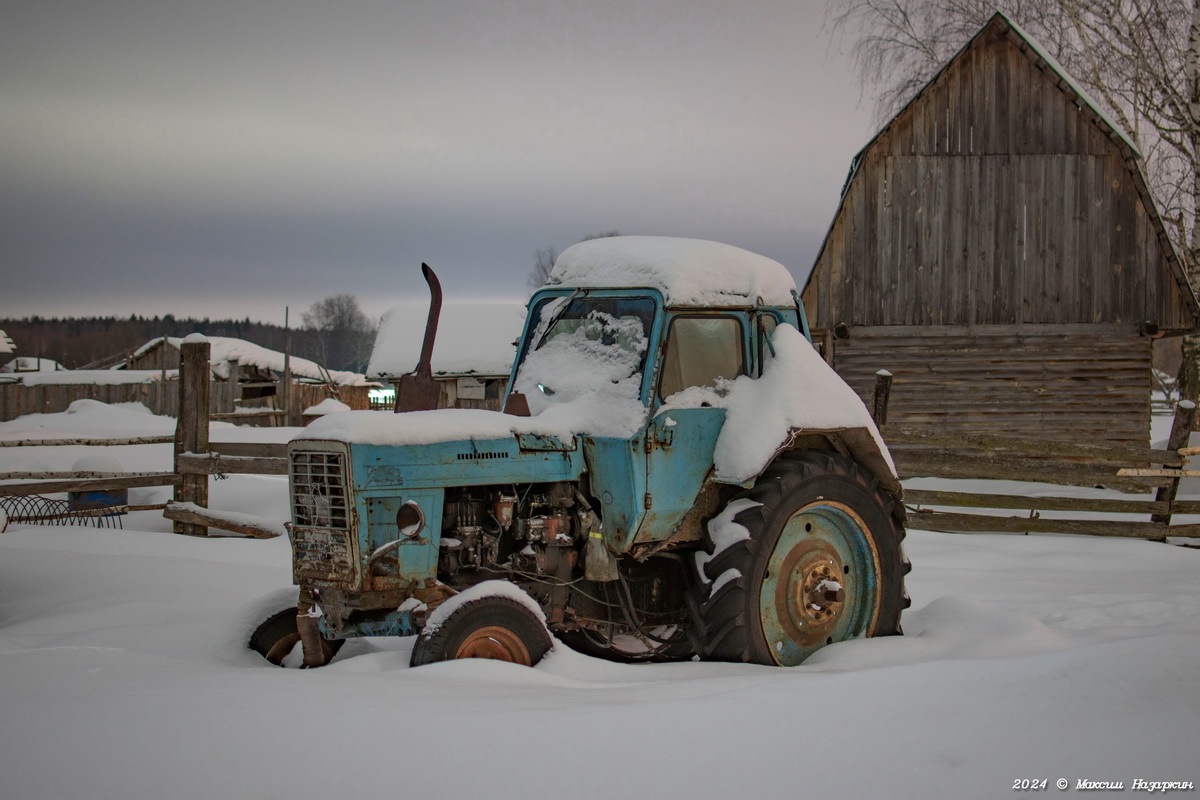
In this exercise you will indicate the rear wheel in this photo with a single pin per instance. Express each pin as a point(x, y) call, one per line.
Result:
point(498, 628)
point(823, 563)
point(277, 638)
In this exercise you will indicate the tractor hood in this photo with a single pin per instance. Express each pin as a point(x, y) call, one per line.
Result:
point(463, 447)
point(590, 416)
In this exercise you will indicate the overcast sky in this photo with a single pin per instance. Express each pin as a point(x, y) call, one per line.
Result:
point(228, 158)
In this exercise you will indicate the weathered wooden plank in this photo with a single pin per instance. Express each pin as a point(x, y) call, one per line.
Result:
point(249, 415)
point(1006, 264)
point(1182, 424)
point(979, 523)
point(898, 434)
point(256, 449)
point(1015, 469)
point(133, 440)
point(191, 517)
point(214, 464)
point(89, 485)
point(1030, 332)
point(1152, 472)
point(191, 431)
point(1130, 269)
point(63, 475)
point(917, 497)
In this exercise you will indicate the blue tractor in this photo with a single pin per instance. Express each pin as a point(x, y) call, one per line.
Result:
point(676, 473)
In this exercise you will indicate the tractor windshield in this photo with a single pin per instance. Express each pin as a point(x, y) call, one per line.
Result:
point(584, 345)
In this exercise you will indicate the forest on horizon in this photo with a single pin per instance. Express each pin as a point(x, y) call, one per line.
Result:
point(99, 342)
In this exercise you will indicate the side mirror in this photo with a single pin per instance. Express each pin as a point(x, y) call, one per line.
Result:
point(517, 405)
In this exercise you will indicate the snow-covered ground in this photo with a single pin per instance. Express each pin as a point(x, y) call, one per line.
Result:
point(124, 674)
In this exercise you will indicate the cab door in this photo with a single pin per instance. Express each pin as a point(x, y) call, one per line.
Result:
point(700, 351)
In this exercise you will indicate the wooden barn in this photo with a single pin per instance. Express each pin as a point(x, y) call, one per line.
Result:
point(997, 250)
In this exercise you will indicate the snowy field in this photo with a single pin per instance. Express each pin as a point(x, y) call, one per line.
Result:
point(124, 674)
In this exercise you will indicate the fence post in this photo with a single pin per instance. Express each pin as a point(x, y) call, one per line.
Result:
point(191, 427)
point(883, 393)
point(1181, 430)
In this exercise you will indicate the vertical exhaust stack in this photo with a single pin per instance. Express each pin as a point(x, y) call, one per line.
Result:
point(418, 391)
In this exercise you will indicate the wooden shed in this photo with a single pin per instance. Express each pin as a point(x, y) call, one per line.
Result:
point(472, 354)
point(997, 250)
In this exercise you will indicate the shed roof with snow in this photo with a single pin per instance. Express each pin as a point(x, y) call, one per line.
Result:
point(226, 350)
point(473, 339)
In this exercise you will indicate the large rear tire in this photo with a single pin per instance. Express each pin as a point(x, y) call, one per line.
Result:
point(497, 628)
point(823, 563)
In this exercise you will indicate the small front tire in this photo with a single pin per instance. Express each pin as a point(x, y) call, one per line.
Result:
point(497, 628)
point(278, 636)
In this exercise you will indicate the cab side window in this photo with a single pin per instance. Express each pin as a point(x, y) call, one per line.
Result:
point(699, 351)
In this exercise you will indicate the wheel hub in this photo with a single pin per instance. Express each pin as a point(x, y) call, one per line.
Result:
point(497, 643)
point(809, 598)
point(821, 595)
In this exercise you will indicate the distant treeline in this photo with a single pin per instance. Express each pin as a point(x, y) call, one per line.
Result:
point(102, 341)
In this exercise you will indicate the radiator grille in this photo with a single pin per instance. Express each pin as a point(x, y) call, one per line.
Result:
point(319, 490)
point(322, 554)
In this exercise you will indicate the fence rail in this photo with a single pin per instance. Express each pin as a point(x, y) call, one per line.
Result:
point(196, 458)
point(921, 452)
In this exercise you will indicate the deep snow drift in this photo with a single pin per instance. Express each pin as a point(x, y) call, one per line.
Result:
point(124, 674)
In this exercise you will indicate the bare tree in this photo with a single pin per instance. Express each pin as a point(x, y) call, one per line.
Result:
point(1140, 59)
point(343, 333)
point(543, 260)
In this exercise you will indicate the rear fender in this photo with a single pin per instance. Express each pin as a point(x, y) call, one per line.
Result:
point(858, 444)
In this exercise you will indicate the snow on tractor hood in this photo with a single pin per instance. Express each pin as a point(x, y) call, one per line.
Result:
point(797, 391)
point(593, 415)
point(688, 272)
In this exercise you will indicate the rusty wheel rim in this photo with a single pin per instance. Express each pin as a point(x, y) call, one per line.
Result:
point(497, 643)
point(280, 650)
point(820, 584)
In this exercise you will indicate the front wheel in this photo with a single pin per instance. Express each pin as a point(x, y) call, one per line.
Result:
point(278, 641)
point(494, 627)
point(809, 556)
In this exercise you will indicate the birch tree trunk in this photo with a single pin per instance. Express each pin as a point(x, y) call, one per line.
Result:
point(1189, 368)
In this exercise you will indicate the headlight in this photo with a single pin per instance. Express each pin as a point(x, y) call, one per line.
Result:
point(410, 520)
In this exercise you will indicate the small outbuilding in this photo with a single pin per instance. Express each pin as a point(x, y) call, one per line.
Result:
point(255, 368)
point(472, 354)
point(996, 248)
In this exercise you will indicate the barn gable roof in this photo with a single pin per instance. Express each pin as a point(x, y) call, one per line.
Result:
point(1067, 84)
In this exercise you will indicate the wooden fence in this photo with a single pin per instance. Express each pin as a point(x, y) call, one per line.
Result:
point(1128, 470)
point(918, 452)
point(162, 397)
point(195, 459)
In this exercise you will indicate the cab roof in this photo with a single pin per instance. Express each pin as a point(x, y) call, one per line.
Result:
point(688, 272)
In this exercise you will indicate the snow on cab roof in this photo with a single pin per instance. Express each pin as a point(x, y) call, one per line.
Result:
point(688, 272)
